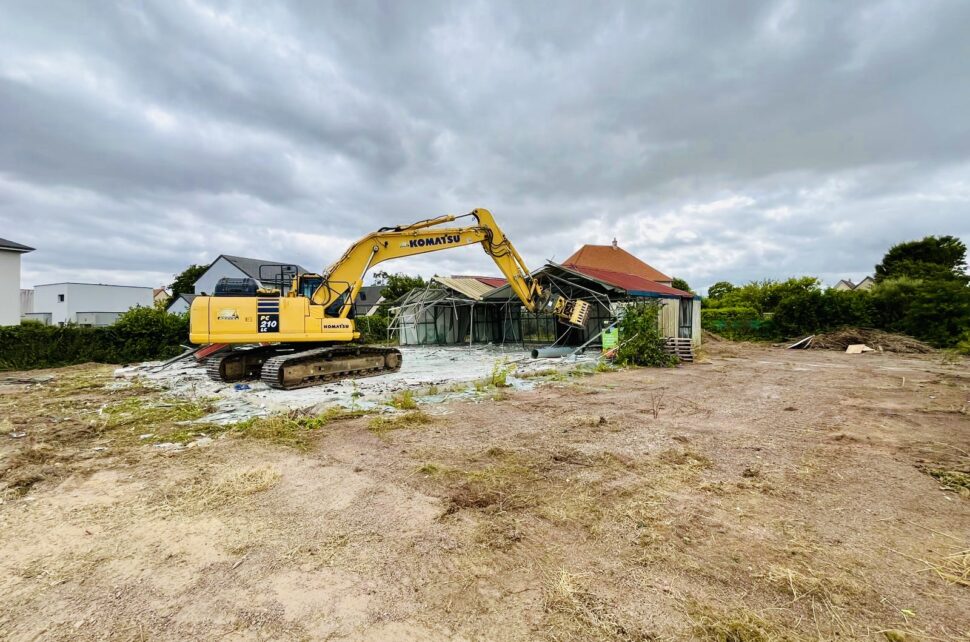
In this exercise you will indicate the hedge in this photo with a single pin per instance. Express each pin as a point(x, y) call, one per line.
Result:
point(738, 323)
point(141, 334)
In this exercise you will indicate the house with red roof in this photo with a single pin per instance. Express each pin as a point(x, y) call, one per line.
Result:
point(608, 277)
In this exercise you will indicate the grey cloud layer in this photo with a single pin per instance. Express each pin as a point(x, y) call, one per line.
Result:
point(717, 140)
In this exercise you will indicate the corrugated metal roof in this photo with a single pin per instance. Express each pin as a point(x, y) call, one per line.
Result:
point(471, 286)
point(613, 259)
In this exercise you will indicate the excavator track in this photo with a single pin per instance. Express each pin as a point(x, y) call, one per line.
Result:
point(322, 365)
point(240, 365)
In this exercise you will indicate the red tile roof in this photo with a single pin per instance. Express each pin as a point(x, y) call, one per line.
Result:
point(613, 259)
point(631, 283)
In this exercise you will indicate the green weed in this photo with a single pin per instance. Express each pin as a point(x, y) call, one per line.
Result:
point(404, 400)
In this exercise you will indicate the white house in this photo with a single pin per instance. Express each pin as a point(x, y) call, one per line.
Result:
point(90, 304)
point(10, 253)
point(181, 303)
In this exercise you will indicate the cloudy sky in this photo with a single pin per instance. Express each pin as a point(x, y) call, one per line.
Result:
point(715, 140)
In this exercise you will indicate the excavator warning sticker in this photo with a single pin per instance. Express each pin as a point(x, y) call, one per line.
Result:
point(268, 315)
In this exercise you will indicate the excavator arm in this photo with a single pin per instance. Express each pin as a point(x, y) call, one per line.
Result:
point(343, 280)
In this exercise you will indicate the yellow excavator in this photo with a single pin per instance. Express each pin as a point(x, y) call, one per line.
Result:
point(306, 336)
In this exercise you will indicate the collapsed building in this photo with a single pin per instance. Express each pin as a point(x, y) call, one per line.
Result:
point(474, 309)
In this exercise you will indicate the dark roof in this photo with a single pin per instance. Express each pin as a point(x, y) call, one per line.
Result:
point(186, 296)
point(14, 247)
point(250, 267)
point(367, 297)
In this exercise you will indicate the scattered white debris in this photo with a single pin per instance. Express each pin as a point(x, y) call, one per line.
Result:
point(18, 435)
point(858, 348)
point(452, 370)
point(147, 435)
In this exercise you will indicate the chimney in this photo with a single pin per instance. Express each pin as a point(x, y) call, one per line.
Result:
point(614, 243)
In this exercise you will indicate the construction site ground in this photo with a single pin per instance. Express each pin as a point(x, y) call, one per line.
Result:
point(759, 494)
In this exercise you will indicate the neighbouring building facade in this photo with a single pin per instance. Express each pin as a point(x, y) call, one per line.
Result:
point(87, 304)
point(10, 253)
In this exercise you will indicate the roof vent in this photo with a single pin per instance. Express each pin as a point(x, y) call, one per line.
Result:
point(615, 246)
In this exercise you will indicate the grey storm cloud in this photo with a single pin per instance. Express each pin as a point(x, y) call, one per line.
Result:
point(717, 141)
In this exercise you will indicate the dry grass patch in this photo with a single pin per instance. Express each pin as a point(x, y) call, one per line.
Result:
point(574, 612)
point(319, 552)
point(291, 428)
point(684, 457)
point(504, 486)
point(738, 624)
point(143, 413)
point(586, 421)
point(957, 481)
point(384, 424)
point(200, 494)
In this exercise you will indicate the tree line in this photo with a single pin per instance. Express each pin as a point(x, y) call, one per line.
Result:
point(922, 290)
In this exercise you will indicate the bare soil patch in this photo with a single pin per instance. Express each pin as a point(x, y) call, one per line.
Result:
point(764, 494)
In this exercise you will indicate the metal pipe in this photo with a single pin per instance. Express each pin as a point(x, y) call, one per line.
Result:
point(552, 353)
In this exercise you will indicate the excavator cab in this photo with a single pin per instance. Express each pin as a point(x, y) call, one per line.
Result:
point(307, 284)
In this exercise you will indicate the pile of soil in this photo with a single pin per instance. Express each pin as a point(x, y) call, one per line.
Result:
point(876, 339)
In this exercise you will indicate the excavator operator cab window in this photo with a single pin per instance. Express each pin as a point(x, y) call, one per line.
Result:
point(309, 285)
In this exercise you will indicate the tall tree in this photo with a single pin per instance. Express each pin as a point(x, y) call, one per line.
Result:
point(934, 257)
point(680, 284)
point(395, 286)
point(719, 289)
point(184, 283)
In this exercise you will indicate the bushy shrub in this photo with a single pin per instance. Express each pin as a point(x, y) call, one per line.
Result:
point(817, 311)
point(937, 312)
point(141, 334)
point(762, 296)
point(373, 329)
point(641, 343)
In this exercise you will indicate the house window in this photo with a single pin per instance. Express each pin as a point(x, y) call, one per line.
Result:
point(60, 298)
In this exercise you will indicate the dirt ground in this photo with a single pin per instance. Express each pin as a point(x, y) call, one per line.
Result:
point(761, 494)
